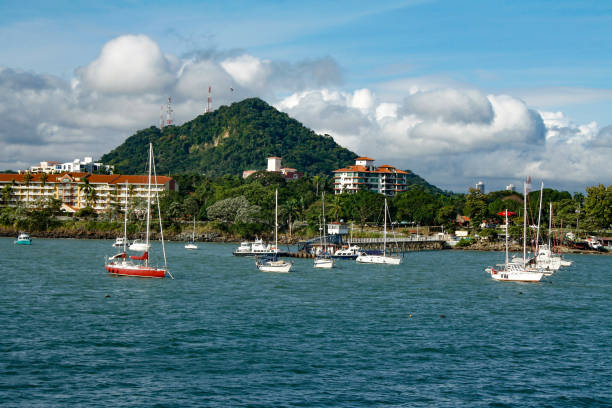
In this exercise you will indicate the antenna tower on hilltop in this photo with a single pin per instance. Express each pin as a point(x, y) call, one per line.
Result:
point(169, 113)
point(209, 104)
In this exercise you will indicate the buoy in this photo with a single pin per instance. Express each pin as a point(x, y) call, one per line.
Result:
point(410, 316)
point(520, 293)
point(442, 316)
point(107, 295)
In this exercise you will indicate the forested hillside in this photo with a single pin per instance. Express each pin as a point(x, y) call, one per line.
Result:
point(229, 140)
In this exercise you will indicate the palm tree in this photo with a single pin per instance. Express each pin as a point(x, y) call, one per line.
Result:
point(7, 192)
point(336, 207)
point(291, 208)
point(92, 197)
point(27, 179)
point(315, 180)
point(86, 189)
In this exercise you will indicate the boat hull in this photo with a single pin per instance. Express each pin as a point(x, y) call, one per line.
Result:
point(139, 271)
point(516, 276)
point(274, 266)
point(323, 263)
point(23, 242)
point(379, 259)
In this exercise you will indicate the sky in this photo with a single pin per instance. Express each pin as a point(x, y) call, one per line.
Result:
point(456, 91)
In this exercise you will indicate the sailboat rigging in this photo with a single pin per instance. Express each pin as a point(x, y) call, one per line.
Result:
point(191, 244)
point(323, 261)
point(273, 264)
point(120, 264)
point(516, 271)
point(384, 258)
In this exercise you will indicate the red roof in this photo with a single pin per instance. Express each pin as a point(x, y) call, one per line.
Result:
point(353, 168)
point(79, 177)
point(365, 158)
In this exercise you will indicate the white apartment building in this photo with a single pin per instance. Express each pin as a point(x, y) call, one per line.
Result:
point(71, 189)
point(86, 165)
point(365, 176)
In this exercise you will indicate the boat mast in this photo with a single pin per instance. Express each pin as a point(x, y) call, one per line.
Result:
point(525, 225)
point(550, 228)
point(125, 220)
point(276, 220)
point(149, 203)
point(537, 247)
point(385, 231)
point(506, 238)
point(324, 235)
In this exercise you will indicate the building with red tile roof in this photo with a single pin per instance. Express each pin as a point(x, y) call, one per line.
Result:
point(364, 175)
point(79, 190)
point(274, 165)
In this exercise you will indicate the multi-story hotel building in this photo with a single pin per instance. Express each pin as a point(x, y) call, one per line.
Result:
point(74, 189)
point(364, 176)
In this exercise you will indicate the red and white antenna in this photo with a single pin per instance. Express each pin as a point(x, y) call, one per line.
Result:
point(209, 104)
point(169, 112)
point(161, 117)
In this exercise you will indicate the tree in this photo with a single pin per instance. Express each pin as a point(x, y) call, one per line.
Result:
point(336, 207)
point(366, 205)
point(598, 206)
point(291, 209)
point(416, 205)
point(27, 179)
point(7, 192)
point(43, 179)
point(86, 189)
point(476, 206)
point(236, 209)
point(86, 212)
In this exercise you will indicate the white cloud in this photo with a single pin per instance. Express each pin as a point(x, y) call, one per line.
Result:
point(247, 70)
point(445, 131)
point(453, 136)
point(128, 64)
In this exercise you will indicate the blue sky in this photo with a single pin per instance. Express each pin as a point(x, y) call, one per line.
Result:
point(553, 56)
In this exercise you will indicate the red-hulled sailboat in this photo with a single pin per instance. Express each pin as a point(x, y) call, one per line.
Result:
point(124, 265)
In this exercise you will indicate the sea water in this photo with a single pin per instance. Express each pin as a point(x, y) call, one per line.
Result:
point(434, 331)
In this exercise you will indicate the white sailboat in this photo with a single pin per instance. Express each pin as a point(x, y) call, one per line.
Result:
point(514, 271)
point(273, 264)
point(324, 261)
point(191, 244)
point(384, 258)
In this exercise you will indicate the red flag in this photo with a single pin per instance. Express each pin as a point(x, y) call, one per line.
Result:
point(509, 213)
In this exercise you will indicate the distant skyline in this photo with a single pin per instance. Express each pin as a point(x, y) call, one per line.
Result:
point(455, 91)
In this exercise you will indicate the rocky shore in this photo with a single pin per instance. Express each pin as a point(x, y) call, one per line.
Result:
point(222, 238)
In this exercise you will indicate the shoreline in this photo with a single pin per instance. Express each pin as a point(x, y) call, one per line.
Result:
point(217, 238)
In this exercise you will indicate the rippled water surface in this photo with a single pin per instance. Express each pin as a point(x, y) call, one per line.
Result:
point(435, 331)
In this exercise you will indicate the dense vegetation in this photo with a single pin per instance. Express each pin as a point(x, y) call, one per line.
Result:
point(243, 208)
point(229, 140)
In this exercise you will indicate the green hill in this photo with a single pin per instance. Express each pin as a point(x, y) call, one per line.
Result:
point(229, 140)
point(235, 138)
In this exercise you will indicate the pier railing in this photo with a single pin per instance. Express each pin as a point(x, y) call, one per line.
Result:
point(422, 238)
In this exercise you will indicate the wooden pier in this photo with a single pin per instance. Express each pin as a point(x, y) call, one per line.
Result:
point(394, 245)
point(405, 244)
